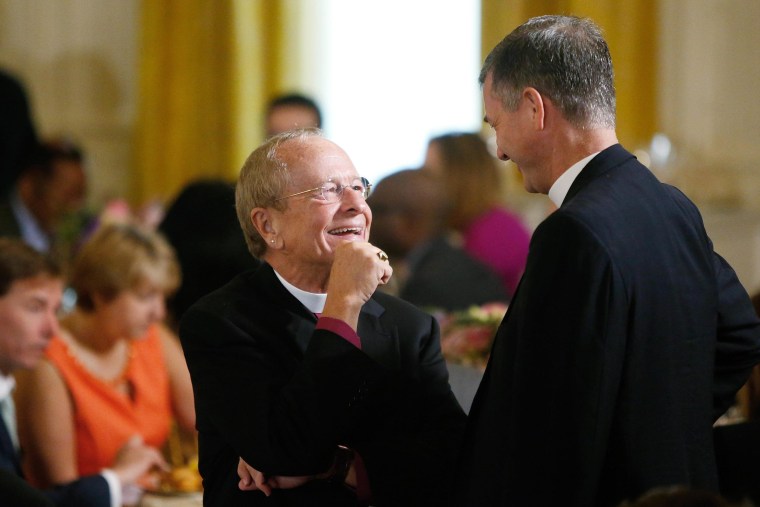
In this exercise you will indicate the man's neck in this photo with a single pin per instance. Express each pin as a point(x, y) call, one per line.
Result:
point(577, 144)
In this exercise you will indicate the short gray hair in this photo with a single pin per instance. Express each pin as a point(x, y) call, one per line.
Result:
point(563, 57)
point(262, 181)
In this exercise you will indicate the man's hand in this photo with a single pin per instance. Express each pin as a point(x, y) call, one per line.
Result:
point(252, 480)
point(356, 272)
point(135, 459)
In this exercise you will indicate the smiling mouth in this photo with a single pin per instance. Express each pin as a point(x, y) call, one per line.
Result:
point(346, 231)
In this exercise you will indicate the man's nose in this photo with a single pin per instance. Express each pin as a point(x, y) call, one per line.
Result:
point(52, 326)
point(353, 199)
point(502, 156)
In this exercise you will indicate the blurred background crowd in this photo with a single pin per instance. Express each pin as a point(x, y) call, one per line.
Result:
point(132, 119)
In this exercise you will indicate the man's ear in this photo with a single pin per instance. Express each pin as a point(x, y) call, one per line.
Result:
point(263, 222)
point(535, 101)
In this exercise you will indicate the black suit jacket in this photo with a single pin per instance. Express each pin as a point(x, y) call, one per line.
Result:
point(89, 491)
point(8, 224)
point(271, 389)
point(626, 339)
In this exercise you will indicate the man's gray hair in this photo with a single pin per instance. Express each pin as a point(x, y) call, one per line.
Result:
point(263, 179)
point(566, 59)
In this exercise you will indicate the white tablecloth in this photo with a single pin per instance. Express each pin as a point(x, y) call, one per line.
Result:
point(183, 500)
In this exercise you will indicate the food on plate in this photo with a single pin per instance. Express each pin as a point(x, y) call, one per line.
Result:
point(184, 479)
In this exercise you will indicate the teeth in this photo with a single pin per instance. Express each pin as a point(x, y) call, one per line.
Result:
point(344, 230)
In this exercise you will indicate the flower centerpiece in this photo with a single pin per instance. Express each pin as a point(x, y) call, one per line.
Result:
point(467, 335)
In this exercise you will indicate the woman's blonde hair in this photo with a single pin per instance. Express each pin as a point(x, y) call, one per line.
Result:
point(120, 257)
point(470, 174)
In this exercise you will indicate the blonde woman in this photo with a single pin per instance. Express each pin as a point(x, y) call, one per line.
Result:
point(114, 373)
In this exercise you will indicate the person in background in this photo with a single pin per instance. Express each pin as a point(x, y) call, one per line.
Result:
point(489, 232)
point(628, 336)
point(409, 212)
point(18, 134)
point(332, 393)
point(30, 294)
point(114, 372)
point(202, 227)
point(51, 189)
point(290, 111)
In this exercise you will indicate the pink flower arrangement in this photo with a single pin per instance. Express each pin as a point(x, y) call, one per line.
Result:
point(467, 335)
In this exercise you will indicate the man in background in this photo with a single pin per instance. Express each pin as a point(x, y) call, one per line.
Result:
point(409, 209)
point(290, 111)
point(627, 336)
point(51, 188)
point(30, 295)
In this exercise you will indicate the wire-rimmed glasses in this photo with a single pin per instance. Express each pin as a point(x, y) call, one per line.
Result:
point(332, 191)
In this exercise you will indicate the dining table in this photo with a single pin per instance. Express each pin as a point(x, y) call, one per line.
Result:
point(178, 499)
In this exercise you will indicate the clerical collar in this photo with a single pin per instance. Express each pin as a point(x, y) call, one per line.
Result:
point(561, 187)
point(7, 384)
point(313, 301)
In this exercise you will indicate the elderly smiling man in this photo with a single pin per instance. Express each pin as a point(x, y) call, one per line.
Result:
point(332, 393)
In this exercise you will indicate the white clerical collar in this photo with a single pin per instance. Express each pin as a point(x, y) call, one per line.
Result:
point(7, 384)
point(561, 187)
point(313, 301)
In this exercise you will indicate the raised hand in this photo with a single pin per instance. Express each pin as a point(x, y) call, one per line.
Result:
point(358, 268)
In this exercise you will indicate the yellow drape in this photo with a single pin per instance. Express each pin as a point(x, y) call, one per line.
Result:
point(630, 28)
point(206, 69)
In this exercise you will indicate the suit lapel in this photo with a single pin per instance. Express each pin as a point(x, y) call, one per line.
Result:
point(9, 459)
point(301, 323)
point(377, 342)
point(603, 162)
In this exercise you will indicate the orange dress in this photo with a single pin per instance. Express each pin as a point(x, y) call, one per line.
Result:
point(105, 418)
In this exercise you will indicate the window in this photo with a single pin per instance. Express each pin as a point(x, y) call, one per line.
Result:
point(392, 74)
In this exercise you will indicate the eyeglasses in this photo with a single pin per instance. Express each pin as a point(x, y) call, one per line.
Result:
point(331, 191)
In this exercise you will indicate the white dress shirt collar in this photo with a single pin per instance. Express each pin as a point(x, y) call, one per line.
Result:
point(561, 187)
point(7, 384)
point(313, 301)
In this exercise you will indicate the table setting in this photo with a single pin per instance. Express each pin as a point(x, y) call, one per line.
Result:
point(466, 339)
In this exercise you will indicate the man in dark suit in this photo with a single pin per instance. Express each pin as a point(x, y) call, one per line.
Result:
point(300, 367)
point(627, 336)
point(409, 212)
point(30, 295)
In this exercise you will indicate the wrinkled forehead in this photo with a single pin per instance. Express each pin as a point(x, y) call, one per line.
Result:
point(316, 159)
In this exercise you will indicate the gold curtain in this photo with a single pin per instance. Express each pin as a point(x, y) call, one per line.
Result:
point(206, 69)
point(630, 28)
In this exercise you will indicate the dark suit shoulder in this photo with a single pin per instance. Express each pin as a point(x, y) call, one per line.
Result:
point(397, 308)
